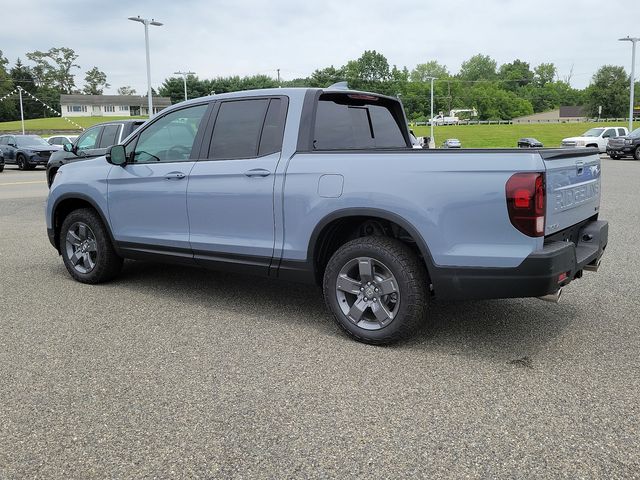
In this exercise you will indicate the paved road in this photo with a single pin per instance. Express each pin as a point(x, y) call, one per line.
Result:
point(172, 372)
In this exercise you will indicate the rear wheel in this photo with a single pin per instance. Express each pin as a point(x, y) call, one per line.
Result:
point(86, 248)
point(376, 288)
point(1, 167)
point(615, 157)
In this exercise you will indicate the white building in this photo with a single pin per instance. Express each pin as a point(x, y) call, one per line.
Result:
point(109, 105)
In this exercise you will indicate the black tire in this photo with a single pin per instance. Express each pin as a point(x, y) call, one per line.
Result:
point(21, 160)
point(615, 157)
point(636, 153)
point(412, 285)
point(107, 263)
point(2, 167)
point(52, 175)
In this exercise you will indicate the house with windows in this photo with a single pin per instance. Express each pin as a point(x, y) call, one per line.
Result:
point(110, 105)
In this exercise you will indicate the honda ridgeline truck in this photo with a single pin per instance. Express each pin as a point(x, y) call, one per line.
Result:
point(322, 186)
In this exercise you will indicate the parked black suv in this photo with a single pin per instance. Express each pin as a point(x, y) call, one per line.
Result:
point(26, 151)
point(92, 143)
point(628, 146)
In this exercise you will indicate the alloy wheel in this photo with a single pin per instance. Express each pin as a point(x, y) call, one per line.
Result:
point(81, 247)
point(367, 293)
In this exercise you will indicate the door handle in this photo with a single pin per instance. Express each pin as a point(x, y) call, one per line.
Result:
point(175, 176)
point(257, 172)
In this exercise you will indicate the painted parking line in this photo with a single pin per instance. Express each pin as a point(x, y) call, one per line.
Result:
point(22, 183)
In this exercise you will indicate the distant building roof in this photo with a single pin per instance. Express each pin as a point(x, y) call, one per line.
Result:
point(572, 111)
point(113, 100)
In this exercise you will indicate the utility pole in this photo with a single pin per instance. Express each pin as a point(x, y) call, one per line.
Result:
point(633, 40)
point(184, 78)
point(279, 77)
point(21, 109)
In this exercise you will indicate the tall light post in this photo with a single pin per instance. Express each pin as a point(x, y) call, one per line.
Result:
point(184, 79)
point(432, 142)
point(633, 40)
point(146, 22)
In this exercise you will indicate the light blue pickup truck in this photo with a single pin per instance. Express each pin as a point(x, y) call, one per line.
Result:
point(322, 186)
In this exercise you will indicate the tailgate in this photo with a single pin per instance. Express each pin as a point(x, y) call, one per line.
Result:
point(572, 186)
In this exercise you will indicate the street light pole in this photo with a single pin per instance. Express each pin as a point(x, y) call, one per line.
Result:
point(633, 40)
point(184, 78)
point(432, 142)
point(21, 109)
point(146, 22)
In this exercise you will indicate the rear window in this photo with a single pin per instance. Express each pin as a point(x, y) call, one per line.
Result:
point(346, 122)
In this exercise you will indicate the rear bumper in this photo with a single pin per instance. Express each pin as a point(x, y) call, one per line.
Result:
point(536, 276)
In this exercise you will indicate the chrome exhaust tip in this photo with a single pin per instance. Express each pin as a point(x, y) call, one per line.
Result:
point(592, 267)
point(552, 297)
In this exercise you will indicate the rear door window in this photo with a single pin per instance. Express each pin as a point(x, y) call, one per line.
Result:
point(621, 132)
point(109, 135)
point(343, 122)
point(237, 130)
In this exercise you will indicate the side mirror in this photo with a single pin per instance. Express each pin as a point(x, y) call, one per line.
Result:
point(67, 147)
point(116, 155)
point(12, 145)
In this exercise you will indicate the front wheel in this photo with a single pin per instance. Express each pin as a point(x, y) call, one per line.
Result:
point(86, 248)
point(636, 153)
point(21, 160)
point(615, 157)
point(376, 288)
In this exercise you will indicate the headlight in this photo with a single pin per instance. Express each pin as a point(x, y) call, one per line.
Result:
point(628, 141)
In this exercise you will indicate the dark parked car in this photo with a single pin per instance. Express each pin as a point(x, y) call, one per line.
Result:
point(627, 146)
point(92, 143)
point(529, 143)
point(1, 162)
point(26, 151)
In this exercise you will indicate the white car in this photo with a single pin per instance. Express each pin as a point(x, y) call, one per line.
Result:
point(61, 139)
point(596, 137)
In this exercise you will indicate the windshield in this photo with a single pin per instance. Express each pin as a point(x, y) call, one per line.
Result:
point(635, 133)
point(594, 132)
point(31, 141)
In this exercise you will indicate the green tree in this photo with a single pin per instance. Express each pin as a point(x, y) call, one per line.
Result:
point(21, 76)
point(610, 88)
point(544, 73)
point(478, 67)
point(126, 90)
point(7, 107)
point(53, 68)
point(432, 68)
point(370, 68)
point(326, 76)
point(95, 82)
point(515, 74)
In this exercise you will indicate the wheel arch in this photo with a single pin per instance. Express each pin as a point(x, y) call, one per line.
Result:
point(69, 203)
point(322, 233)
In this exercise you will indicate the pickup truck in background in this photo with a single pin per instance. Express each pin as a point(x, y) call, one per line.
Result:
point(93, 142)
point(322, 186)
point(595, 137)
point(626, 146)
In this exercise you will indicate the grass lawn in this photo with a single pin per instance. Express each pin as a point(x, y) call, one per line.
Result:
point(496, 136)
point(55, 124)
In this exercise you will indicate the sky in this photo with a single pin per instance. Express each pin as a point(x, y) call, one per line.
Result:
point(244, 37)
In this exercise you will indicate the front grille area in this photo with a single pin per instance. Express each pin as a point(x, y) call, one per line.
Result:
point(569, 143)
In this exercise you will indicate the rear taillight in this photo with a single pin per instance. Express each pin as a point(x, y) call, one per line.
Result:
point(526, 202)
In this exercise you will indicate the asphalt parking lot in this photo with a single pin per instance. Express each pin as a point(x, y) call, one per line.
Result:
point(173, 372)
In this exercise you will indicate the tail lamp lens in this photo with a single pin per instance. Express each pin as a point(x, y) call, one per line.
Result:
point(526, 202)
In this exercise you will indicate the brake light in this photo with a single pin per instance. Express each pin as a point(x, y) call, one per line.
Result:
point(526, 202)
